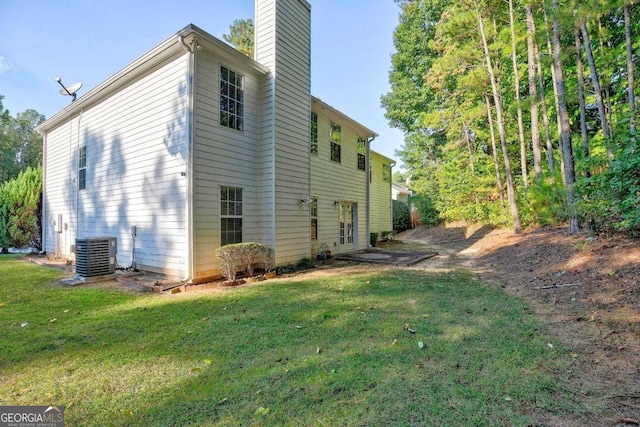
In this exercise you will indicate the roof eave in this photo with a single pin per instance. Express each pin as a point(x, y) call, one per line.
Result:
point(343, 116)
point(163, 51)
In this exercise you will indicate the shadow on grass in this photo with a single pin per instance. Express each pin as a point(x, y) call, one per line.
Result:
point(336, 351)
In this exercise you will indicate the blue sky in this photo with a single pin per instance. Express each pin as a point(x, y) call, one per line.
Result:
point(88, 41)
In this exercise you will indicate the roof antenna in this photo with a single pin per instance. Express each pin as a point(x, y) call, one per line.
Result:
point(71, 90)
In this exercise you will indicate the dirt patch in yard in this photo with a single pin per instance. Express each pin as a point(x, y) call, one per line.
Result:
point(585, 289)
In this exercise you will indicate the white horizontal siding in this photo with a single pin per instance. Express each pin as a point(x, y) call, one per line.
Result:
point(380, 196)
point(136, 161)
point(223, 157)
point(292, 111)
point(332, 181)
point(265, 167)
point(60, 188)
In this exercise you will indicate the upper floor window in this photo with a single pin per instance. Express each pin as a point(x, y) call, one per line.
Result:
point(231, 99)
point(82, 168)
point(386, 173)
point(335, 136)
point(362, 153)
point(314, 133)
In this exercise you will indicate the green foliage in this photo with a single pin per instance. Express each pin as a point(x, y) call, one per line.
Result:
point(439, 81)
point(242, 257)
point(429, 216)
point(401, 218)
point(20, 144)
point(466, 194)
point(610, 201)
point(241, 36)
point(547, 202)
point(20, 210)
point(373, 237)
point(301, 265)
point(386, 235)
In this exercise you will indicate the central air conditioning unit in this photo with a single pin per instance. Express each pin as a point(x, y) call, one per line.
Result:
point(96, 256)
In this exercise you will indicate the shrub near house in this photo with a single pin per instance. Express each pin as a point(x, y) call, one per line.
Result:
point(401, 218)
point(19, 210)
point(242, 257)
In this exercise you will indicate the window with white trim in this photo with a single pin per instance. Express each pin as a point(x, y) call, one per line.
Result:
point(231, 99)
point(362, 153)
point(230, 215)
point(335, 136)
point(386, 173)
point(82, 167)
point(314, 133)
point(314, 217)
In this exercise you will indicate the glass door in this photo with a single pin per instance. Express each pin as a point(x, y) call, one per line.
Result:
point(347, 225)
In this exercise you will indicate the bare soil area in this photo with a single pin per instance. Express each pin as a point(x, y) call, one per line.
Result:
point(585, 289)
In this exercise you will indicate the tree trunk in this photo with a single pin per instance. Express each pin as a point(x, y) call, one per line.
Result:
point(533, 94)
point(606, 88)
point(511, 195)
point(555, 97)
point(630, 71)
point(495, 151)
point(602, 113)
point(516, 92)
point(545, 113)
point(581, 101)
point(565, 132)
point(465, 129)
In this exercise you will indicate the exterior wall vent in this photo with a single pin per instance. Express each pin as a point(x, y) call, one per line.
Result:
point(96, 256)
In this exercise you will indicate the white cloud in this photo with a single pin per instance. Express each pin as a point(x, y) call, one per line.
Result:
point(4, 65)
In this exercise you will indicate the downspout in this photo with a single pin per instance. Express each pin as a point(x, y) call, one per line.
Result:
point(76, 180)
point(309, 249)
point(190, 274)
point(368, 186)
point(43, 215)
point(391, 165)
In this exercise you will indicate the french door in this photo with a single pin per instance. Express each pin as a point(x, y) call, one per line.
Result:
point(348, 225)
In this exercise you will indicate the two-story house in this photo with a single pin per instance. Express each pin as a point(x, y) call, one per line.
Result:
point(194, 145)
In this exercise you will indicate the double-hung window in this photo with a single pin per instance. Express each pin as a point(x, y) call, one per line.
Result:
point(82, 167)
point(335, 136)
point(314, 217)
point(231, 99)
point(230, 215)
point(386, 173)
point(362, 153)
point(314, 133)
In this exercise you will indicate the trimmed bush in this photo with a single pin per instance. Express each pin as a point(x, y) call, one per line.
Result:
point(401, 217)
point(242, 257)
point(373, 237)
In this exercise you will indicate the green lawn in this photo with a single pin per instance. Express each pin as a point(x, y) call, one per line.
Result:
point(323, 352)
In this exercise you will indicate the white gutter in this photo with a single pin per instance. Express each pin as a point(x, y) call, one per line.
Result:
point(75, 179)
point(367, 168)
point(391, 165)
point(190, 270)
point(43, 217)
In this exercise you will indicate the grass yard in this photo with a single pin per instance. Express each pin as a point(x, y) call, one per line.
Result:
point(330, 351)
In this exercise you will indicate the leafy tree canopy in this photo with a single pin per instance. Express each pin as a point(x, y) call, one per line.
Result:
point(241, 36)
